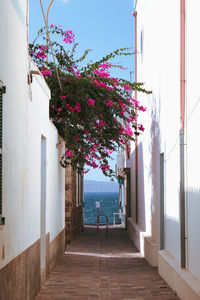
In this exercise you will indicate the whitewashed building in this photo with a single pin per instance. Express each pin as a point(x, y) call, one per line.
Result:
point(164, 164)
point(32, 181)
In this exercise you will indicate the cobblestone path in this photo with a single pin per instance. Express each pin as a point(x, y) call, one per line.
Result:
point(104, 268)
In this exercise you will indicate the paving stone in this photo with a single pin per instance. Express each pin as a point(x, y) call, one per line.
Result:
point(104, 268)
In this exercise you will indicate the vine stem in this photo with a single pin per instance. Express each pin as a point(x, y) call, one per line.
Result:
point(48, 41)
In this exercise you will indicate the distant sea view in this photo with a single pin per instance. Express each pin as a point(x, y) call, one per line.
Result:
point(92, 186)
point(107, 194)
point(109, 204)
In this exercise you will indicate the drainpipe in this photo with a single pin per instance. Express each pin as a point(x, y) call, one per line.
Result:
point(136, 137)
point(182, 134)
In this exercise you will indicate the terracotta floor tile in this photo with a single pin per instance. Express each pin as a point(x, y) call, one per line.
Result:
point(104, 268)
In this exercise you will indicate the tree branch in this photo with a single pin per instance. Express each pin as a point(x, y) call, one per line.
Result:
point(48, 41)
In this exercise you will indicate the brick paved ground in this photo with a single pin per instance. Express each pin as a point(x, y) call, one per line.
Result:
point(104, 268)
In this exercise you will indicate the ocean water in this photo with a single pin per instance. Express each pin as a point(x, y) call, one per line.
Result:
point(109, 204)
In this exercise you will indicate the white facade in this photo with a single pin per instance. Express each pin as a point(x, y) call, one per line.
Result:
point(158, 43)
point(33, 180)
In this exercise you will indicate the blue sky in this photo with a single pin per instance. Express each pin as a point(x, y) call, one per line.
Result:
point(100, 25)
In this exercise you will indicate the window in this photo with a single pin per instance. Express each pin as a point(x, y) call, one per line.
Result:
point(1, 125)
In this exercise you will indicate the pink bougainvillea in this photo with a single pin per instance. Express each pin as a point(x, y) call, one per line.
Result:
point(45, 72)
point(92, 109)
point(68, 153)
point(91, 101)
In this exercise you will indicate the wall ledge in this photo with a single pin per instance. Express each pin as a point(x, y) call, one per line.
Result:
point(137, 235)
point(151, 249)
point(183, 282)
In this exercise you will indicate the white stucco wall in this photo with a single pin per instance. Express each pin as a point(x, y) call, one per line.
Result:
point(25, 120)
point(159, 69)
point(193, 146)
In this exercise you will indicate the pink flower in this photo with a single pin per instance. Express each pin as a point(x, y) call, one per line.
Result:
point(135, 102)
point(68, 153)
point(127, 87)
point(78, 74)
point(123, 68)
point(140, 127)
point(94, 147)
point(77, 107)
point(45, 72)
point(63, 97)
point(85, 171)
point(122, 141)
point(116, 82)
point(142, 108)
point(77, 138)
point(59, 109)
point(108, 102)
point(106, 65)
point(129, 131)
point(101, 73)
point(69, 37)
point(121, 129)
point(122, 112)
point(130, 119)
point(94, 165)
point(71, 108)
point(108, 151)
point(42, 47)
point(91, 101)
point(104, 167)
point(99, 83)
point(41, 54)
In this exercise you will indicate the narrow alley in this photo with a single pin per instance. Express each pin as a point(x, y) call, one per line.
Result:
point(104, 267)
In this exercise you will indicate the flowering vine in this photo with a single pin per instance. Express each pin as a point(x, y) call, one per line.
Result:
point(93, 112)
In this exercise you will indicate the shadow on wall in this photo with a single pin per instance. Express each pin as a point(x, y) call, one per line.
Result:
point(154, 168)
point(193, 206)
point(141, 198)
point(172, 237)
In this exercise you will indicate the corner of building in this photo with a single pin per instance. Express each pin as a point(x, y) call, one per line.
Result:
point(137, 235)
point(151, 249)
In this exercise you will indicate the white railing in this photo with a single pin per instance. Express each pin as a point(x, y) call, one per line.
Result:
point(121, 216)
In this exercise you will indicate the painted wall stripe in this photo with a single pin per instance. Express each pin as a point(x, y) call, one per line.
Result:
point(19, 11)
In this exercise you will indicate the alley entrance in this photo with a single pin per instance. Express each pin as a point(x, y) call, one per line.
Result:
point(104, 268)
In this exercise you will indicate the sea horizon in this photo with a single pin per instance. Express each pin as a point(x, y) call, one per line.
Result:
point(108, 202)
